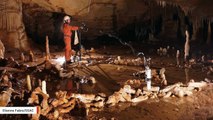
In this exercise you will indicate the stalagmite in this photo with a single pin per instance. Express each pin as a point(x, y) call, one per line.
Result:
point(187, 74)
point(148, 78)
point(163, 76)
point(161, 51)
point(203, 58)
point(31, 56)
point(119, 58)
point(47, 49)
point(164, 52)
point(29, 87)
point(186, 46)
point(177, 58)
point(43, 87)
point(22, 57)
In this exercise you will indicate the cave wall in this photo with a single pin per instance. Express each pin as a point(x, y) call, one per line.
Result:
point(12, 29)
point(199, 14)
point(138, 18)
point(45, 18)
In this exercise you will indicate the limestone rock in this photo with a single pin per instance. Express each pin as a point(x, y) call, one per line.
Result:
point(2, 49)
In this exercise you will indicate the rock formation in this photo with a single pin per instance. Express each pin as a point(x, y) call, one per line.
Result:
point(12, 29)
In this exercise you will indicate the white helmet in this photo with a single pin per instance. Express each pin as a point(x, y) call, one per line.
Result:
point(66, 18)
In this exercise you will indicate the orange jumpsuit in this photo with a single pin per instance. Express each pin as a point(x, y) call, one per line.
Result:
point(67, 30)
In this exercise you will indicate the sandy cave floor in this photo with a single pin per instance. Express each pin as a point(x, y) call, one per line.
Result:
point(111, 77)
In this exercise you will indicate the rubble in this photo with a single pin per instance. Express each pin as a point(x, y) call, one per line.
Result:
point(5, 97)
point(123, 61)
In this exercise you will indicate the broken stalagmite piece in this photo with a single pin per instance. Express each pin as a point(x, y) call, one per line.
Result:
point(140, 99)
point(197, 84)
point(153, 89)
point(43, 87)
point(170, 88)
point(5, 97)
point(29, 87)
point(181, 92)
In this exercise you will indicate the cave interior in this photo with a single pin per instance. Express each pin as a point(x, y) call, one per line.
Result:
point(132, 57)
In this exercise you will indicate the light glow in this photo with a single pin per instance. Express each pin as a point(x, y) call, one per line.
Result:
point(59, 60)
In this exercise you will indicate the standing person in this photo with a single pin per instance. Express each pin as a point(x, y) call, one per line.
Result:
point(67, 30)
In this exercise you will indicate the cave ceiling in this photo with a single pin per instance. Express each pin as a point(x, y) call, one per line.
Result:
point(202, 8)
point(196, 8)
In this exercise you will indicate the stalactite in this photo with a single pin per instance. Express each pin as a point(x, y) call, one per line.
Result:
point(161, 3)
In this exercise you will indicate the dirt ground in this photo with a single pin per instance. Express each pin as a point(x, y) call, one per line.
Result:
point(111, 77)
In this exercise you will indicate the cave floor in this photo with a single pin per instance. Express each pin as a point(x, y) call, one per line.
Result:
point(111, 77)
point(198, 106)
